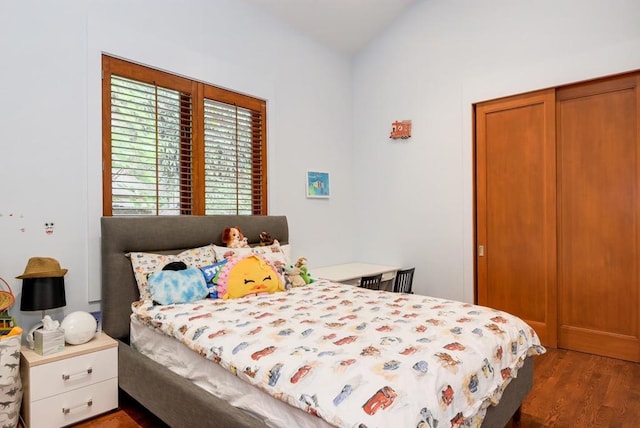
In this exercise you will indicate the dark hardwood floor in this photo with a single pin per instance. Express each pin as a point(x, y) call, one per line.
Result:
point(129, 414)
point(571, 389)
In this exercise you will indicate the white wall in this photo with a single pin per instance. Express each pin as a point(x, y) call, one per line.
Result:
point(50, 98)
point(406, 202)
point(414, 198)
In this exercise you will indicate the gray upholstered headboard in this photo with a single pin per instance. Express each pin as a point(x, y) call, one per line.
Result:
point(166, 234)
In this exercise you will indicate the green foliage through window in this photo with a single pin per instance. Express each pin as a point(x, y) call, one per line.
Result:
point(162, 164)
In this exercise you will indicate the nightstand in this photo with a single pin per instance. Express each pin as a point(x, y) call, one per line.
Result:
point(74, 384)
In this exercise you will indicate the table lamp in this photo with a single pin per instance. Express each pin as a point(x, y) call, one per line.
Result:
point(42, 288)
point(40, 294)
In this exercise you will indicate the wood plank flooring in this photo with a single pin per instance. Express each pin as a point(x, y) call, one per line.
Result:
point(571, 389)
point(130, 414)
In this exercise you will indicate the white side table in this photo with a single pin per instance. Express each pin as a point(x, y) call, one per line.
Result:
point(350, 273)
point(69, 386)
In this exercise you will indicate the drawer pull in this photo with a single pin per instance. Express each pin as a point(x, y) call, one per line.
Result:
point(81, 372)
point(66, 410)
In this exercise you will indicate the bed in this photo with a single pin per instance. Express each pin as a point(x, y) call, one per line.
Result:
point(179, 401)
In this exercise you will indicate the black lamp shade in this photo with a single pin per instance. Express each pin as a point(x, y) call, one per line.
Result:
point(39, 294)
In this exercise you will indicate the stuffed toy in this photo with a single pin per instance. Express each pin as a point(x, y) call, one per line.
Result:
point(293, 276)
point(234, 238)
point(245, 276)
point(265, 239)
point(301, 264)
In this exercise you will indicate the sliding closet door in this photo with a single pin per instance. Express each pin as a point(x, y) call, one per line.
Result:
point(599, 224)
point(516, 209)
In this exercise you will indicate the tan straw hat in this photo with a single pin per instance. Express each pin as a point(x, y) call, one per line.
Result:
point(42, 267)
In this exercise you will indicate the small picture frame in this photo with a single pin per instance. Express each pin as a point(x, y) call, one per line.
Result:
point(318, 184)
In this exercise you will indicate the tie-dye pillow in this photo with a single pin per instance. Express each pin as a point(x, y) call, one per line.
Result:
point(177, 286)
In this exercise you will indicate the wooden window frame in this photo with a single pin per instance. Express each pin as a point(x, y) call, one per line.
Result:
point(197, 92)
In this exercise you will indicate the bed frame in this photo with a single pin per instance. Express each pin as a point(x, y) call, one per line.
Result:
point(175, 400)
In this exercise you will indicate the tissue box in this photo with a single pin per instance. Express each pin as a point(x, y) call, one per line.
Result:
point(48, 341)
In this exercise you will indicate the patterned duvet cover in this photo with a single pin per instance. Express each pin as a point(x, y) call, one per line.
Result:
point(358, 357)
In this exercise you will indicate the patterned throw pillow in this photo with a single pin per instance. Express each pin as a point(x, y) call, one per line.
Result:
point(222, 253)
point(169, 287)
point(145, 264)
point(275, 253)
point(211, 274)
point(286, 250)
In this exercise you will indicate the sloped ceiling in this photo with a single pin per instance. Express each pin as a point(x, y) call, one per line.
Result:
point(344, 25)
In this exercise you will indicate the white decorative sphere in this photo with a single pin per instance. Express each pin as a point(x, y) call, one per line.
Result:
point(79, 327)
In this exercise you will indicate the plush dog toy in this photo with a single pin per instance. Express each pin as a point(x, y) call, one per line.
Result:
point(266, 239)
point(234, 238)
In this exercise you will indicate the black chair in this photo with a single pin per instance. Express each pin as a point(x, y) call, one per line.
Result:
point(404, 281)
point(371, 282)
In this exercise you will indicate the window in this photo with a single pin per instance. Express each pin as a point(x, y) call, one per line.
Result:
point(175, 146)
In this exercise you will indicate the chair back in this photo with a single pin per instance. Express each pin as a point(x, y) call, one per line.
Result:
point(371, 282)
point(404, 281)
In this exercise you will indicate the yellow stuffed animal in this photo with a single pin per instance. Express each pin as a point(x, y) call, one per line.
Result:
point(248, 276)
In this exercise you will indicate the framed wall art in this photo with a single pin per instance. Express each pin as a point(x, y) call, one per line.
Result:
point(318, 184)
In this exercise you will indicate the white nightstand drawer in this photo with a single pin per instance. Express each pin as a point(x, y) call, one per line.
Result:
point(76, 405)
point(72, 373)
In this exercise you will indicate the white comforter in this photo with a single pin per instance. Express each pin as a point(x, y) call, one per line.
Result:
point(358, 357)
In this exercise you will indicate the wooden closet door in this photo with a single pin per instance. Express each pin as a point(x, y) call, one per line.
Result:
point(599, 204)
point(516, 209)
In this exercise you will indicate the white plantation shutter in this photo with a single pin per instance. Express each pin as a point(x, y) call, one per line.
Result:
point(233, 158)
point(150, 149)
point(174, 146)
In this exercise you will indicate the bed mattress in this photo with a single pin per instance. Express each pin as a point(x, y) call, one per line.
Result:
point(342, 355)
